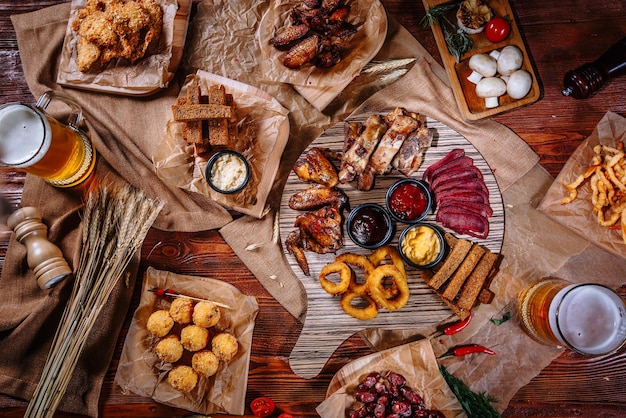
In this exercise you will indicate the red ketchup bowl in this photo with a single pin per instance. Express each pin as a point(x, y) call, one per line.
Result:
point(369, 226)
point(409, 200)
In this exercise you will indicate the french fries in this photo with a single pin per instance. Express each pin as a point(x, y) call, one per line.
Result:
point(607, 177)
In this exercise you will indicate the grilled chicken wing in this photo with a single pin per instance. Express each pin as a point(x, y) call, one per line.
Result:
point(317, 196)
point(302, 53)
point(321, 230)
point(295, 247)
point(314, 166)
point(287, 35)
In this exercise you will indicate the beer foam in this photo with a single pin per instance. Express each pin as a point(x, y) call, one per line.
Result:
point(590, 318)
point(22, 135)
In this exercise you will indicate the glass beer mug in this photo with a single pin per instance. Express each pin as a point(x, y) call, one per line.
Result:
point(33, 141)
point(588, 318)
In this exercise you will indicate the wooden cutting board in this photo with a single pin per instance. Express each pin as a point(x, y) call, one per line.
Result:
point(326, 326)
point(471, 106)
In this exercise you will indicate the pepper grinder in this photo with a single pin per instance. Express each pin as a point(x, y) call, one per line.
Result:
point(43, 257)
point(589, 78)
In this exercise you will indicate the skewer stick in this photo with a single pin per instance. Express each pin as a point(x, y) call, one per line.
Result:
point(171, 293)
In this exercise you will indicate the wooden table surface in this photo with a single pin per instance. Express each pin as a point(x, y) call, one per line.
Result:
point(560, 35)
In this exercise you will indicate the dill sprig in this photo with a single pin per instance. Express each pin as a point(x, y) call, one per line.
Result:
point(457, 41)
point(476, 405)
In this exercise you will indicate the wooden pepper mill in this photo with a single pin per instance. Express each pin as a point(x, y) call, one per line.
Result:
point(43, 257)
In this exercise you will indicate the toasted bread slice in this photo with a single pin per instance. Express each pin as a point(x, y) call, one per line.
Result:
point(187, 112)
point(218, 129)
point(476, 280)
point(452, 262)
point(462, 273)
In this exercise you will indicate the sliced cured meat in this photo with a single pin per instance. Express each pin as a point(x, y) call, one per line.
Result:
point(462, 195)
point(465, 172)
point(453, 154)
point(456, 164)
point(464, 222)
point(482, 209)
point(463, 184)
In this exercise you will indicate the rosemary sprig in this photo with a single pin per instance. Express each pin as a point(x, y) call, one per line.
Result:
point(476, 405)
point(457, 41)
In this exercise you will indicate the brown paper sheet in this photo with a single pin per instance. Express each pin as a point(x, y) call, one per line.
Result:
point(140, 371)
point(578, 215)
point(262, 133)
point(150, 73)
point(415, 361)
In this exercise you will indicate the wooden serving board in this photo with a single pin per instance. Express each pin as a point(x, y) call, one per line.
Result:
point(471, 106)
point(326, 326)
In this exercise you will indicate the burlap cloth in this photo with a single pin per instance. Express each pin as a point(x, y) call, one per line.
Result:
point(126, 129)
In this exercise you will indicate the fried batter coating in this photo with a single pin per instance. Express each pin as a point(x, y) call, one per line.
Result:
point(182, 378)
point(194, 338)
point(169, 349)
point(160, 323)
point(117, 29)
point(224, 346)
point(181, 310)
point(206, 314)
point(205, 363)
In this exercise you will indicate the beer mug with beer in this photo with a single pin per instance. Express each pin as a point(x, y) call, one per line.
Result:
point(588, 318)
point(33, 141)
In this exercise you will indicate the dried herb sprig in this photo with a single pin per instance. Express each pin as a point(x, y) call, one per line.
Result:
point(115, 223)
point(476, 405)
point(457, 41)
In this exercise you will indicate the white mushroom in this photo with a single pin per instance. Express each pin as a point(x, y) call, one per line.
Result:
point(509, 60)
point(519, 84)
point(490, 88)
point(482, 65)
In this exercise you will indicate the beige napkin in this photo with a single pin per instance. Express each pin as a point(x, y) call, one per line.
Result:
point(124, 131)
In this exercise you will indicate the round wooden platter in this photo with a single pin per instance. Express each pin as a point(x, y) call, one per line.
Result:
point(326, 325)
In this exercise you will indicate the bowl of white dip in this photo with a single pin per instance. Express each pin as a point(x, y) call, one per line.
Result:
point(227, 171)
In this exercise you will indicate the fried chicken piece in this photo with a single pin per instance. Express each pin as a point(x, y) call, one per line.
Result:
point(316, 196)
point(87, 54)
point(321, 230)
point(314, 166)
point(302, 53)
point(295, 247)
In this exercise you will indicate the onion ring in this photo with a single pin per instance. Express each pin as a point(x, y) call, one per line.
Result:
point(361, 262)
point(363, 313)
point(378, 293)
point(345, 278)
point(393, 255)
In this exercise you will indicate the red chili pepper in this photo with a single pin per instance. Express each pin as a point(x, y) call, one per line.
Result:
point(458, 326)
point(463, 350)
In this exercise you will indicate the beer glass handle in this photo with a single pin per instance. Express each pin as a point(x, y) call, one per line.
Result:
point(76, 113)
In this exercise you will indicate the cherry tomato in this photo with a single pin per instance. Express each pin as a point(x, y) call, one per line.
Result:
point(262, 407)
point(285, 415)
point(497, 29)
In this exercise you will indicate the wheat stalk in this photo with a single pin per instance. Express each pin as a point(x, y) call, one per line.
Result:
point(115, 223)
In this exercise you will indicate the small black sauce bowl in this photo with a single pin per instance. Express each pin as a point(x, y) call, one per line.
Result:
point(439, 236)
point(424, 189)
point(213, 160)
point(387, 228)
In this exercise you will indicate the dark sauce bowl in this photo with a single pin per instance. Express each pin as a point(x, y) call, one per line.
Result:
point(215, 160)
point(409, 200)
point(369, 226)
point(434, 233)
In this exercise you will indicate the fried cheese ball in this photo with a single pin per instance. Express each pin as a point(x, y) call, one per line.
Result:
point(224, 346)
point(169, 349)
point(160, 323)
point(182, 378)
point(194, 338)
point(205, 363)
point(181, 310)
point(206, 314)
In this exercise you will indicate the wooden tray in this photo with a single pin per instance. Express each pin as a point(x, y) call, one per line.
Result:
point(325, 320)
point(473, 107)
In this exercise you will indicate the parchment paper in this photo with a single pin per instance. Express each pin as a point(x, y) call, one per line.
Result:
point(415, 361)
point(578, 215)
point(262, 133)
point(150, 72)
point(141, 372)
